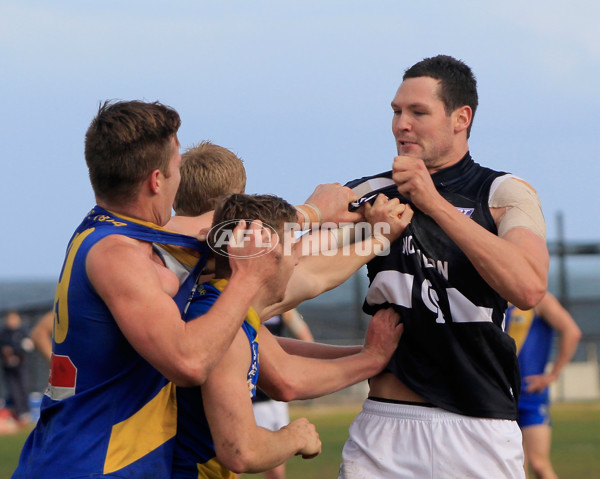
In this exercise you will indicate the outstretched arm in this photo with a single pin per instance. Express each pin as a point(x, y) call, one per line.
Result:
point(316, 350)
point(325, 269)
point(240, 444)
point(328, 203)
point(287, 377)
point(569, 333)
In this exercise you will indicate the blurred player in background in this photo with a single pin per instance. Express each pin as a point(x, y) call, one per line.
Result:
point(533, 331)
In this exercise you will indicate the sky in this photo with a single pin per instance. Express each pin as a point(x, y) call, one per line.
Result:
point(300, 90)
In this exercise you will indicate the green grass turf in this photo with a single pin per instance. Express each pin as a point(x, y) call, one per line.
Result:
point(10, 448)
point(575, 442)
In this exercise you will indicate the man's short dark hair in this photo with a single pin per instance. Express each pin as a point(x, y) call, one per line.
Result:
point(124, 143)
point(272, 210)
point(458, 86)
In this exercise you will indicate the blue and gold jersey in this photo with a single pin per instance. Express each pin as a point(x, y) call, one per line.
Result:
point(533, 337)
point(107, 412)
point(194, 448)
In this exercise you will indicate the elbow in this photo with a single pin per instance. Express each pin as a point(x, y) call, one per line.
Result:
point(528, 300)
point(529, 295)
point(189, 373)
point(576, 334)
point(287, 395)
point(237, 459)
point(236, 464)
point(285, 390)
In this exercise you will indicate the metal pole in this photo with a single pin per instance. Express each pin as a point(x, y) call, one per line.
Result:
point(563, 293)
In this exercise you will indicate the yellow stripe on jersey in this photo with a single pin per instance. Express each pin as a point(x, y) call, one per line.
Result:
point(61, 300)
point(519, 325)
point(219, 283)
point(213, 469)
point(252, 317)
point(147, 429)
point(184, 255)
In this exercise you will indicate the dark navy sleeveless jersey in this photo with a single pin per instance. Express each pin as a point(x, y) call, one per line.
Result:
point(453, 352)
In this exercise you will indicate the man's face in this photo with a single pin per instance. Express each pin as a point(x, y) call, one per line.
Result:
point(13, 321)
point(288, 259)
point(420, 124)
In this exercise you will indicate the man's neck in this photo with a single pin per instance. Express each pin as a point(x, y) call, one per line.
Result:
point(449, 160)
point(260, 302)
point(132, 210)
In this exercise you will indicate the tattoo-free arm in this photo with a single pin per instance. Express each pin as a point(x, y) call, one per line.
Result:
point(287, 377)
point(41, 335)
point(569, 334)
point(316, 350)
point(317, 273)
point(240, 444)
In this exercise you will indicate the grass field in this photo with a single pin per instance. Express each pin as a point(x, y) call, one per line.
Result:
point(575, 446)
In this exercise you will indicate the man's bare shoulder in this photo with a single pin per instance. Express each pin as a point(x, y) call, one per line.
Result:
point(120, 247)
point(120, 259)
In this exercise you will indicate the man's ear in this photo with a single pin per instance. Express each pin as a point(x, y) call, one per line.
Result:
point(155, 181)
point(462, 118)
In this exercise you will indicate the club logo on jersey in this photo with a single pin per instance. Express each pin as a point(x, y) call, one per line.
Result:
point(63, 377)
point(466, 211)
point(430, 299)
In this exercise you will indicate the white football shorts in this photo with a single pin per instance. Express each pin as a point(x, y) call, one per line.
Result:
point(271, 414)
point(393, 441)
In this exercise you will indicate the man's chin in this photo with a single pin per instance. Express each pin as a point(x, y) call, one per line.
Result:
point(409, 151)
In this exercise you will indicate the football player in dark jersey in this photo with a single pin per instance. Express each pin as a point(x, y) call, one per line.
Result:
point(477, 239)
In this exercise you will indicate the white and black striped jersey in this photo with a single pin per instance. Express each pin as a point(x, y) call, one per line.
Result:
point(453, 351)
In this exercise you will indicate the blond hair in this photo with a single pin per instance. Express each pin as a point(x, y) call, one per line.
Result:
point(208, 172)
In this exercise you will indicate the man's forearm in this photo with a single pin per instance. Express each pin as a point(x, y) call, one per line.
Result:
point(316, 274)
point(310, 378)
point(316, 350)
point(567, 346)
